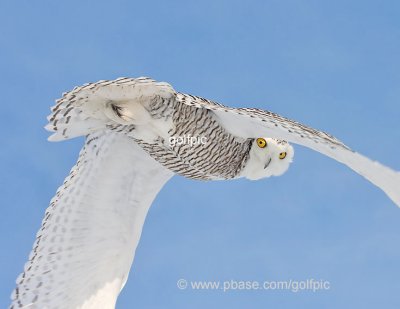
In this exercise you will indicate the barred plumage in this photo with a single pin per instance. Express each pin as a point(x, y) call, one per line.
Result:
point(223, 156)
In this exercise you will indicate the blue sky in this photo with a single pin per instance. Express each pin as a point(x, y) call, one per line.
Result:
point(333, 65)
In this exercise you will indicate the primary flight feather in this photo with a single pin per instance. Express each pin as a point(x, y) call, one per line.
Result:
point(139, 133)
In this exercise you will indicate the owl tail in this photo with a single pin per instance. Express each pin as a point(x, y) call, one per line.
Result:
point(98, 106)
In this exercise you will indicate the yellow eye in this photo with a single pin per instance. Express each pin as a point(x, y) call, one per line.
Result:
point(282, 155)
point(262, 143)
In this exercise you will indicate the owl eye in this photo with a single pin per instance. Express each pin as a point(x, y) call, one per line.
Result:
point(262, 143)
point(282, 155)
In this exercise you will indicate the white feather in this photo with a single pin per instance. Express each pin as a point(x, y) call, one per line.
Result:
point(252, 123)
point(87, 241)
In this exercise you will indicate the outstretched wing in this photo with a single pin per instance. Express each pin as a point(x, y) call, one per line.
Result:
point(86, 244)
point(84, 109)
point(251, 122)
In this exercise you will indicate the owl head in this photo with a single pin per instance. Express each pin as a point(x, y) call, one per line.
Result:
point(268, 157)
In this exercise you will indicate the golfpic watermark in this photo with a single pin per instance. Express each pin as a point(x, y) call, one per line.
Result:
point(187, 140)
point(294, 286)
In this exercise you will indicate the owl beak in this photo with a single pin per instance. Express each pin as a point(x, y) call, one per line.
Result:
point(266, 164)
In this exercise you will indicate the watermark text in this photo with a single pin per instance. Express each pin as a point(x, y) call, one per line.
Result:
point(187, 140)
point(295, 286)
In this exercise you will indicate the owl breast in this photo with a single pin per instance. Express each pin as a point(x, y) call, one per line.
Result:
point(196, 146)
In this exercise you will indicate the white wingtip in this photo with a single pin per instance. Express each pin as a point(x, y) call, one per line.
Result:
point(54, 138)
point(49, 127)
point(387, 179)
point(58, 137)
point(392, 189)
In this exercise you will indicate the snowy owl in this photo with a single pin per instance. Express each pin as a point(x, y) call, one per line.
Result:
point(139, 133)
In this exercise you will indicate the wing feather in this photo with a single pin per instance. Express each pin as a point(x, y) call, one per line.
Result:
point(82, 110)
point(86, 244)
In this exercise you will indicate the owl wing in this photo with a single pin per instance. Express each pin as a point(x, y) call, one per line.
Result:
point(86, 244)
point(83, 110)
point(252, 123)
